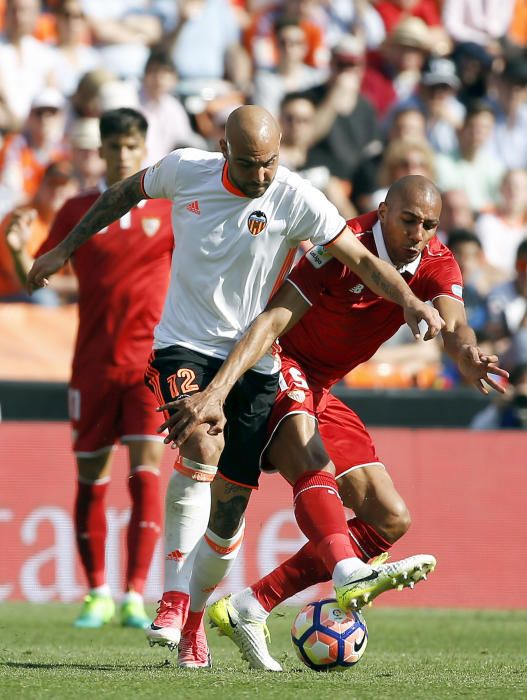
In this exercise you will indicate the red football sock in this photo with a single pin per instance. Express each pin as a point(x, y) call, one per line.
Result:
point(90, 529)
point(194, 620)
point(320, 515)
point(144, 527)
point(366, 541)
point(300, 571)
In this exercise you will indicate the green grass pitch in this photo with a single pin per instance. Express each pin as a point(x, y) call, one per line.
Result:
point(429, 654)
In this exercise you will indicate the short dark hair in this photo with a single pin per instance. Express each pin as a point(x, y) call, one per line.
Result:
point(478, 106)
point(462, 235)
point(159, 56)
point(294, 96)
point(121, 122)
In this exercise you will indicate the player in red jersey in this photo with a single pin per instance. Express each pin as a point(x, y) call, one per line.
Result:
point(123, 274)
point(339, 324)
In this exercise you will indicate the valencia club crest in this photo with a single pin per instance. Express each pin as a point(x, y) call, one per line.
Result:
point(256, 222)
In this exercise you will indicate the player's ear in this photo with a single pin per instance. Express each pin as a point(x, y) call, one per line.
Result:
point(381, 211)
point(224, 148)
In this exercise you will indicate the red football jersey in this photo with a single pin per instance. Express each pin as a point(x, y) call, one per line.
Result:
point(347, 322)
point(123, 274)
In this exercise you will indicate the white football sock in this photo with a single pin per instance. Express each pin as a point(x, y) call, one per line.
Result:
point(347, 568)
point(249, 607)
point(187, 508)
point(215, 557)
point(103, 590)
point(132, 596)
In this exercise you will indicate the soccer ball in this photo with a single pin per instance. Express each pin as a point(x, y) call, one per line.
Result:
point(327, 638)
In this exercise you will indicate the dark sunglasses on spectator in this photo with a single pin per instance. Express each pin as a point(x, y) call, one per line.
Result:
point(45, 111)
point(298, 118)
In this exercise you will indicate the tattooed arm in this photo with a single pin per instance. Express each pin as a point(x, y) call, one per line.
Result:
point(383, 279)
point(111, 205)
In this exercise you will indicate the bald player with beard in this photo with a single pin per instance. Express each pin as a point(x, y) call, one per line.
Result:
point(239, 218)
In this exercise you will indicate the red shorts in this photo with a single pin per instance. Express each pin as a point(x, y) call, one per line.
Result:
point(344, 435)
point(104, 409)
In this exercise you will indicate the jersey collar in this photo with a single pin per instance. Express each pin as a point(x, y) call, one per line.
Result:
point(228, 184)
point(383, 252)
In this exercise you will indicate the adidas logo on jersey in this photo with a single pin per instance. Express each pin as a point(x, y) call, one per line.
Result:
point(357, 289)
point(193, 207)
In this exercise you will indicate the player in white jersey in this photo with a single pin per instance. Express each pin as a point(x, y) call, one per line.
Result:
point(238, 218)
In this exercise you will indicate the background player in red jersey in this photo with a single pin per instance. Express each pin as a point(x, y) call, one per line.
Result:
point(108, 401)
point(339, 324)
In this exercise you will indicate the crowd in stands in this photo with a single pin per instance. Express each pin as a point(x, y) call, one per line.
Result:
point(366, 91)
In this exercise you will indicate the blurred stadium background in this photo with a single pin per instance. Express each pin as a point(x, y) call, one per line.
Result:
point(420, 87)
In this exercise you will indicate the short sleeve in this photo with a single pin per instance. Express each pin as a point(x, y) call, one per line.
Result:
point(445, 279)
point(314, 219)
point(159, 180)
point(314, 272)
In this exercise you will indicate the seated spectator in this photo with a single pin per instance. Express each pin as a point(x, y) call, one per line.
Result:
point(260, 38)
point(503, 229)
point(26, 63)
point(57, 185)
point(509, 138)
point(204, 43)
point(402, 157)
point(291, 73)
point(168, 123)
point(483, 23)
point(24, 156)
point(470, 167)
point(407, 123)
point(86, 100)
point(345, 124)
point(122, 33)
point(436, 98)
point(507, 304)
point(479, 277)
point(85, 141)
point(297, 118)
point(394, 71)
point(474, 65)
point(507, 411)
point(74, 56)
point(456, 213)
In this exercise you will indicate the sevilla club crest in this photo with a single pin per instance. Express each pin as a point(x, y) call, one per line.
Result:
point(150, 226)
point(256, 222)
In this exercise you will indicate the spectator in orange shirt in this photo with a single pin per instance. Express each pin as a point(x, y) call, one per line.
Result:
point(25, 156)
point(58, 184)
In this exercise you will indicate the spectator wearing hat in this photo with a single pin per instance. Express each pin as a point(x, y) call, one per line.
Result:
point(436, 98)
point(25, 62)
point(85, 141)
point(509, 138)
point(394, 71)
point(474, 65)
point(470, 167)
point(24, 156)
point(56, 186)
point(291, 74)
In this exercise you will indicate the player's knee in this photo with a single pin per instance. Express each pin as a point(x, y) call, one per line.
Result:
point(397, 521)
point(202, 447)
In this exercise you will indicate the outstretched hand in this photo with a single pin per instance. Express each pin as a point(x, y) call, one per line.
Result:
point(43, 267)
point(477, 368)
point(417, 311)
point(186, 414)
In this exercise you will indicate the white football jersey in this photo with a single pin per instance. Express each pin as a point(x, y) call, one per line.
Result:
point(232, 252)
